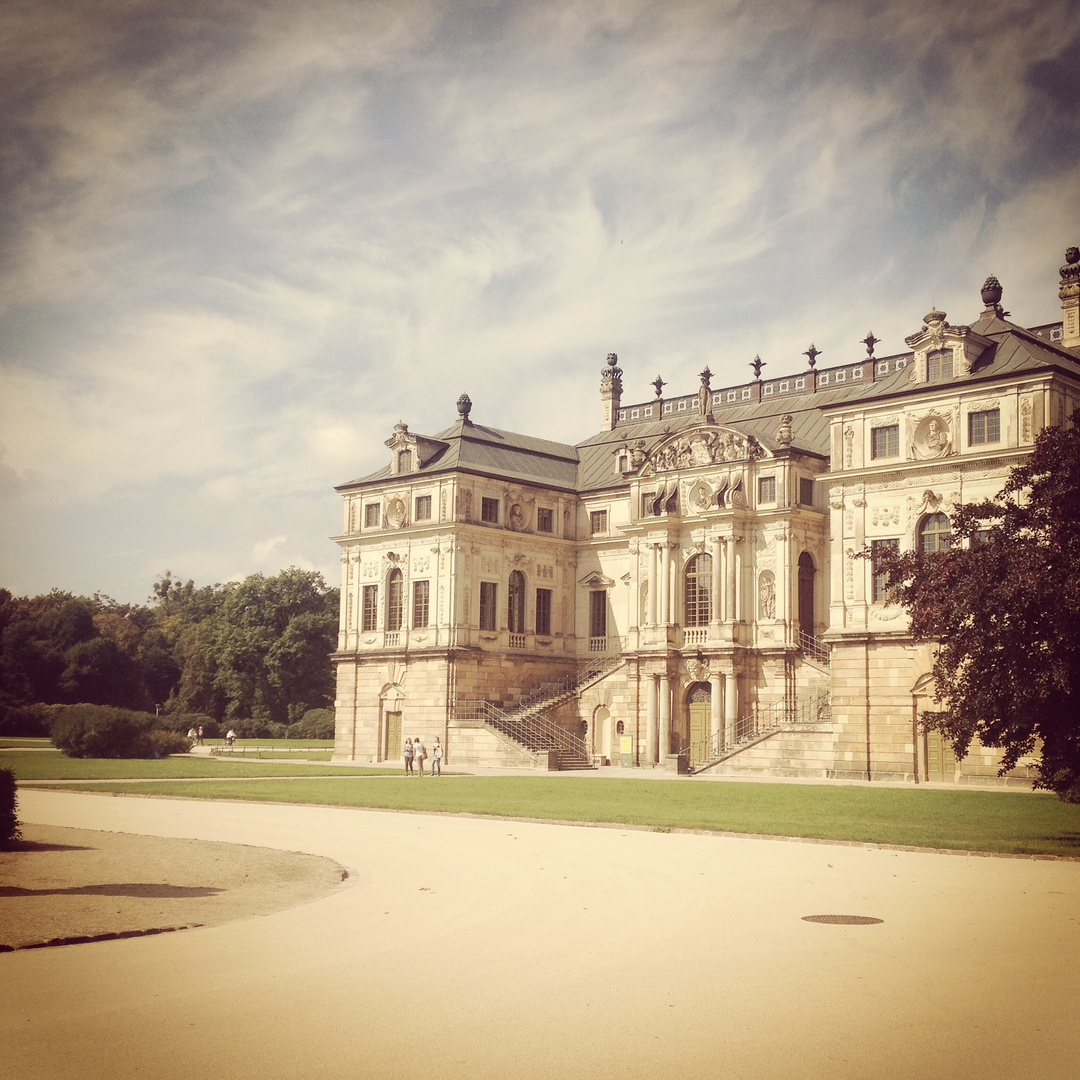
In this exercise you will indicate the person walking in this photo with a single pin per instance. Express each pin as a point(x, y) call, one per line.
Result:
point(408, 757)
point(419, 753)
point(436, 758)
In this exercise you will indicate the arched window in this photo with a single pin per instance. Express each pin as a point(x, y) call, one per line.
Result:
point(935, 533)
point(699, 590)
point(393, 601)
point(515, 603)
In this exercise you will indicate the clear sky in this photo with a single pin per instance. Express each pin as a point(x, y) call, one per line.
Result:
point(241, 239)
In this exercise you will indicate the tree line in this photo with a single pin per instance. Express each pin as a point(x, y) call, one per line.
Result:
point(253, 655)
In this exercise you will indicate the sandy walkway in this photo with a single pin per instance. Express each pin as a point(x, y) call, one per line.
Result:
point(472, 948)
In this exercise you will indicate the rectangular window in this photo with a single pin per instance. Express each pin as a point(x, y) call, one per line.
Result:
point(371, 515)
point(489, 510)
point(422, 511)
point(881, 591)
point(766, 489)
point(543, 611)
point(598, 613)
point(885, 441)
point(648, 504)
point(371, 607)
point(489, 596)
point(394, 602)
point(545, 519)
point(598, 522)
point(984, 427)
point(421, 597)
point(939, 364)
point(806, 491)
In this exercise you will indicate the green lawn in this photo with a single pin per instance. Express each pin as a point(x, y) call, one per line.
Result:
point(35, 765)
point(6, 743)
point(918, 817)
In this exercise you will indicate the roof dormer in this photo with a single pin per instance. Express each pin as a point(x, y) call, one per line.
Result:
point(410, 453)
point(944, 352)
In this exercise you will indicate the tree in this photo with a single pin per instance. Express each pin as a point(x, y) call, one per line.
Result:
point(272, 641)
point(1002, 604)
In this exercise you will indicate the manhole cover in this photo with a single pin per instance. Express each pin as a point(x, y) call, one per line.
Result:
point(843, 920)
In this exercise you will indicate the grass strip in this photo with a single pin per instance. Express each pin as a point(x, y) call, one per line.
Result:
point(37, 765)
point(1005, 822)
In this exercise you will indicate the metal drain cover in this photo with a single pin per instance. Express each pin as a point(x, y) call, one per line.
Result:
point(843, 920)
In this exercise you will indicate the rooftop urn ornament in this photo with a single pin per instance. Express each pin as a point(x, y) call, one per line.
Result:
point(464, 407)
point(991, 297)
point(659, 384)
point(870, 341)
point(611, 374)
point(812, 354)
point(783, 432)
point(757, 364)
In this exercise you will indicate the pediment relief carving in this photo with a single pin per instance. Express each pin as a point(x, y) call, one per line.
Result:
point(707, 445)
point(596, 580)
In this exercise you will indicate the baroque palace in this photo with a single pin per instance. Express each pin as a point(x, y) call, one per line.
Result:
point(684, 589)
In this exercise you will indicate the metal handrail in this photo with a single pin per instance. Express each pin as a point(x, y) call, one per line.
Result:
point(535, 729)
point(764, 720)
point(814, 647)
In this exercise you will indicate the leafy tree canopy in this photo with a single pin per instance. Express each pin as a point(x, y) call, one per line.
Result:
point(1002, 604)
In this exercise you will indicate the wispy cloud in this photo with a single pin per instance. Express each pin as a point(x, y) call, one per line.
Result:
point(239, 241)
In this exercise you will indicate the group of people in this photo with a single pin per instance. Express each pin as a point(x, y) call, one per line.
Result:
point(415, 753)
point(196, 735)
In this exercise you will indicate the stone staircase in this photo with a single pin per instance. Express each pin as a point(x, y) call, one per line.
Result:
point(797, 750)
point(783, 738)
point(527, 723)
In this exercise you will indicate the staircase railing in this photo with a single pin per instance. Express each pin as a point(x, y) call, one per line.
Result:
point(593, 667)
point(764, 720)
point(527, 723)
point(814, 647)
point(536, 732)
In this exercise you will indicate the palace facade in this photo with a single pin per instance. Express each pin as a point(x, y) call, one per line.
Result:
point(683, 589)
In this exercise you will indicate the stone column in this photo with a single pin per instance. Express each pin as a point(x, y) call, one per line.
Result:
point(731, 707)
point(665, 717)
point(737, 584)
point(717, 580)
point(653, 584)
point(650, 718)
point(665, 584)
point(715, 693)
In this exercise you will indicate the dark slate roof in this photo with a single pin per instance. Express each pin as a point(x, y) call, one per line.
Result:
point(590, 466)
point(491, 452)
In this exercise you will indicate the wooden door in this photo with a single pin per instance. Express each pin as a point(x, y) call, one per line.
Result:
point(394, 745)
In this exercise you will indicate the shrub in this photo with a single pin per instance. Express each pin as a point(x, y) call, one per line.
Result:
point(26, 721)
point(9, 821)
point(101, 731)
point(167, 742)
point(316, 724)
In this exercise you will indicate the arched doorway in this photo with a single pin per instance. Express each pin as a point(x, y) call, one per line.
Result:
point(806, 593)
point(602, 724)
point(699, 708)
point(938, 758)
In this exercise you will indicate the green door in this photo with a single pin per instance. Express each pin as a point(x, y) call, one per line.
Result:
point(394, 744)
point(699, 728)
point(940, 758)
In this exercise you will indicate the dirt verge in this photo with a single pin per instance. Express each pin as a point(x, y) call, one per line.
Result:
point(63, 883)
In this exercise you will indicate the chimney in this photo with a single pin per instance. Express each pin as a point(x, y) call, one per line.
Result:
point(1070, 299)
point(610, 392)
